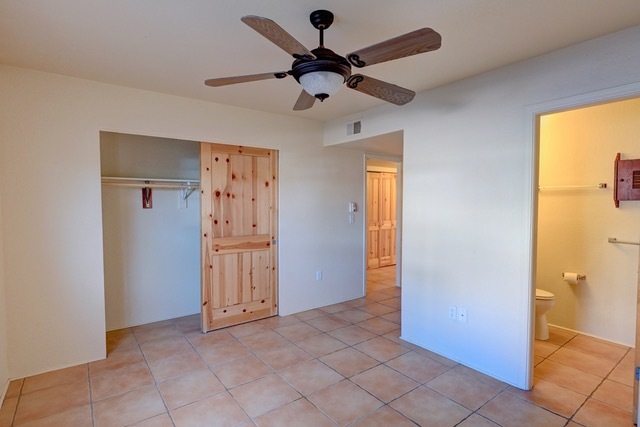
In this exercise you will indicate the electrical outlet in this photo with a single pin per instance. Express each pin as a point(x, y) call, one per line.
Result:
point(462, 315)
point(452, 312)
point(319, 275)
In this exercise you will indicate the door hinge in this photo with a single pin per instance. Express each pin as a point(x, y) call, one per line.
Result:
point(274, 241)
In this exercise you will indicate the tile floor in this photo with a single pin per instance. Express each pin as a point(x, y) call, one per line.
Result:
point(339, 365)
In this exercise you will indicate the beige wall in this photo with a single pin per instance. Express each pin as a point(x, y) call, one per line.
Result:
point(578, 148)
point(51, 205)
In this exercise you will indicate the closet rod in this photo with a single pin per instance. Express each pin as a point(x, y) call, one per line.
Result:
point(614, 240)
point(150, 182)
point(600, 185)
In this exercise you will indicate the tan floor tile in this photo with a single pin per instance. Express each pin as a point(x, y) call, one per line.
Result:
point(418, 367)
point(188, 388)
point(464, 389)
point(378, 325)
point(164, 347)
point(475, 420)
point(353, 315)
point(120, 381)
point(381, 349)
point(426, 407)
point(309, 314)
point(336, 308)
point(560, 336)
point(331, 400)
point(596, 414)
point(298, 331)
point(376, 296)
point(240, 371)
point(120, 339)
point(480, 376)
point(174, 366)
point(53, 378)
point(261, 396)
point(311, 376)
point(247, 329)
point(76, 417)
point(392, 290)
point(14, 388)
point(352, 334)
point(52, 400)
point(162, 420)
point(395, 317)
point(384, 417)
point(199, 340)
point(117, 360)
point(320, 345)
point(152, 325)
point(285, 356)
point(557, 399)
point(583, 361)
point(161, 332)
point(264, 341)
point(510, 411)
point(300, 412)
point(189, 324)
point(349, 361)
point(568, 377)
point(624, 372)
point(597, 347)
point(218, 410)
point(222, 352)
point(544, 348)
point(431, 355)
point(128, 408)
point(378, 309)
point(8, 410)
point(279, 321)
point(384, 383)
point(615, 394)
point(327, 323)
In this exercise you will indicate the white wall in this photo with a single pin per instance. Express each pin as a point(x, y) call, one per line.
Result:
point(577, 148)
point(51, 205)
point(468, 198)
point(4, 351)
point(151, 256)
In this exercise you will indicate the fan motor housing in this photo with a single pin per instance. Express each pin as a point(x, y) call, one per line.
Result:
point(325, 60)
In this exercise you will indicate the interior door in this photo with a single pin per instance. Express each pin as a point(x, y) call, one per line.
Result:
point(381, 219)
point(636, 394)
point(239, 229)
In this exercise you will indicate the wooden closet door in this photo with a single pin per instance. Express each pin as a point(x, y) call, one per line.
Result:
point(373, 219)
point(238, 224)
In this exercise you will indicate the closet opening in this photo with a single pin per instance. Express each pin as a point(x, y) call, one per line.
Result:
point(151, 228)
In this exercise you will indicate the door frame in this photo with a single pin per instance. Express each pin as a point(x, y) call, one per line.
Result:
point(530, 193)
point(399, 165)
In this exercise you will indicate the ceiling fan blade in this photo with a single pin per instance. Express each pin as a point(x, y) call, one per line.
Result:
point(383, 90)
point(418, 41)
point(277, 35)
point(223, 81)
point(304, 102)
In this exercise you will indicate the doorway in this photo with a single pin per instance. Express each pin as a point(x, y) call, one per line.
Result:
point(382, 225)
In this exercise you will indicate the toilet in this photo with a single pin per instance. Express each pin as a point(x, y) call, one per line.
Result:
point(544, 301)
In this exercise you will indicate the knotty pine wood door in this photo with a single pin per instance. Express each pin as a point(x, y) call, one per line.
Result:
point(239, 228)
point(381, 219)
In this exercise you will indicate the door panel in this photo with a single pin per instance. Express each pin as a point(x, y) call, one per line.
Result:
point(239, 211)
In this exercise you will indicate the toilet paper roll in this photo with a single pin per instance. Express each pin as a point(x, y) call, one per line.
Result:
point(571, 278)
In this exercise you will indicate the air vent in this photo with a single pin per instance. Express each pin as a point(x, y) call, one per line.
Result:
point(354, 128)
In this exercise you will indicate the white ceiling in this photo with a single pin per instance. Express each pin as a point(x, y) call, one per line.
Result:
point(172, 46)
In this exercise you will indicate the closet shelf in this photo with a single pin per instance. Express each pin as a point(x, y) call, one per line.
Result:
point(189, 185)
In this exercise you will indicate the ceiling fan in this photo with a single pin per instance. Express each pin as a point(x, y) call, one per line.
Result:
point(321, 72)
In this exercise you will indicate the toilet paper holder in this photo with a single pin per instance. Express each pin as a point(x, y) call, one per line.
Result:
point(580, 276)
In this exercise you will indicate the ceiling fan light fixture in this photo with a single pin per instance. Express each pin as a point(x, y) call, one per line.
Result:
point(321, 84)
